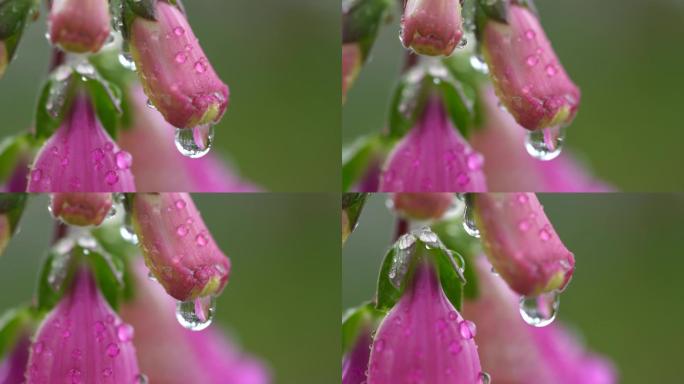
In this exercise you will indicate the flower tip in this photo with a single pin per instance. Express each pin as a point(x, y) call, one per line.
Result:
point(423, 206)
point(432, 27)
point(81, 209)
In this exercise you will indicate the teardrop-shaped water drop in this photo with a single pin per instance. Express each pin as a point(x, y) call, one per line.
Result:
point(128, 234)
point(469, 222)
point(126, 61)
point(545, 144)
point(540, 311)
point(195, 142)
point(196, 314)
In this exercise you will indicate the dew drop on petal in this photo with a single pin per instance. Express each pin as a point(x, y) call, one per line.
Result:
point(201, 240)
point(124, 332)
point(540, 311)
point(180, 204)
point(467, 329)
point(182, 230)
point(379, 345)
point(196, 314)
point(200, 66)
point(111, 178)
point(107, 372)
point(128, 234)
point(181, 57)
point(142, 379)
point(124, 160)
point(112, 350)
point(455, 347)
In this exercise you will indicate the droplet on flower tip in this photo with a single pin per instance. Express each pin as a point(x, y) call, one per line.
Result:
point(540, 311)
point(545, 144)
point(196, 314)
point(195, 142)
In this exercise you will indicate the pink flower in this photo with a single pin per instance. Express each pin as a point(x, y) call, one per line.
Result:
point(527, 75)
point(13, 368)
point(509, 168)
point(423, 206)
point(81, 157)
point(432, 27)
point(174, 71)
point(179, 250)
point(352, 60)
point(207, 357)
point(424, 339)
point(433, 157)
point(355, 363)
point(521, 243)
point(81, 209)
point(514, 352)
point(159, 167)
point(79, 25)
point(4, 58)
point(83, 341)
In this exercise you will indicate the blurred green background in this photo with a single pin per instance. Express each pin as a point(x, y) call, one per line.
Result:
point(624, 54)
point(281, 60)
point(625, 296)
point(282, 300)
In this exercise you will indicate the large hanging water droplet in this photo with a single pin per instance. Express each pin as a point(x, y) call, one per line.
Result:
point(545, 144)
point(469, 222)
point(195, 142)
point(196, 314)
point(540, 311)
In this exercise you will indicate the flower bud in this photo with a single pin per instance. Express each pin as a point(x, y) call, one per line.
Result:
point(83, 341)
point(432, 27)
point(81, 209)
point(529, 79)
point(179, 250)
point(423, 206)
point(355, 363)
point(514, 352)
point(176, 75)
point(208, 357)
point(433, 157)
point(81, 157)
point(79, 25)
point(521, 243)
point(424, 339)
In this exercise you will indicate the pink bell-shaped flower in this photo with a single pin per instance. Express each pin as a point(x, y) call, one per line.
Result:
point(433, 157)
point(81, 209)
point(83, 341)
point(513, 352)
point(79, 25)
point(529, 79)
point(173, 69)
point(81, 157)
point(424, 339)
point(521, 243)
point(178, 248)
point(432, 27)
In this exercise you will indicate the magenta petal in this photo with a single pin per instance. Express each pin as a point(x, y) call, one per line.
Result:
point(432, 27)
point(79, 25)
point(433, 157)
point(522, 244)
point(13, 368)
point(178, 248)
point(424, 339)
point(81, 157)
point(82, 341)
point(355, 363)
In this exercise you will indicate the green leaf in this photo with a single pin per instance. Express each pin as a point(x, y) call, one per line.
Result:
point(494, 9)
point(13, 17)
point(457, 105)
point(54, 101)
point(358, 157)
point(12, 324)
point(352, 205)
point(408, 101)
point(12, 205)
point(12, 151)
point(361, 20)
point(109, 275)
point(108, 236)
point(450, 275)
point(455, 238)
point(56, 274)
point(106, 98)
point(356, 320)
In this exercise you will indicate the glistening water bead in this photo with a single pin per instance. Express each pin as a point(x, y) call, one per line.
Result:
point(545, 144)
point(469, 222)
point(540, 311)
point(196, 314)
point(195, 142)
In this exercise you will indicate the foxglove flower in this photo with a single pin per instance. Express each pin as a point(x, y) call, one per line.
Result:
point(432, 27)
point(83, 341)
point(79, 25)
point(433, 157)
point(81, 157)
point(522, 244)
point(207, 357)
point(81, 209)
point(514, 352)
point(159, 167)
point(355, 363)
point(176, 75)
point(508, 169)
point(529, 79)
point(424, 339)
point(179, 250)
point(423, 206)
point(13, 368)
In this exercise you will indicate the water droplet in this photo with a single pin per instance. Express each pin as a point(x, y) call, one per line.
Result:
point(524, 225)
point(467, 329)
point(127, 62)
point(201, 240)
point(484, 378)
point(541, 310)
point(36, 174)
point(142, 379)
point(181, 57)
point(195, 142)
point(545, 144)
point(197, 314)
point(551, 70)
point(455, 347)
point(479, 64)
point(530, 34)
point(112, 350)
point(124, 332)
point(107, 372)
point(152, 277)
point(111, 177)
point(38, 348)
point(469, 224)
point(180, 204)
point(545, 234)
point(128, 234)
point(200, 66)
point(462, 179)
point(124, 160)
point(178, 31)
point(379, 345)
point(182, 230)
point(75, 375)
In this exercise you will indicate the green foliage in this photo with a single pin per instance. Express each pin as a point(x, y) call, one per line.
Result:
point(12, 324)
point(356, 320)
point(358, 157)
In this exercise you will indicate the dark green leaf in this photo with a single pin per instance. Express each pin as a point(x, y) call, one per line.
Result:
point(455, 238)
point(109, 238)
point(109, 274)
point(56, 274)
point(54, 101)
point(12, 324)
point(12, 151)
point(494, 9)
point(352, 205)
point(361, 20)
point(12, 205)
point(13, 17)
point(457, 105)
point(450, 275)
point(358, 157)
point(106, 98)
point(396, 271)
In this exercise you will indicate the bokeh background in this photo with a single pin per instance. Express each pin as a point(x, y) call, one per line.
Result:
point(282, 300)
point(625, 56)
point(625, 296)
point(281, 60)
